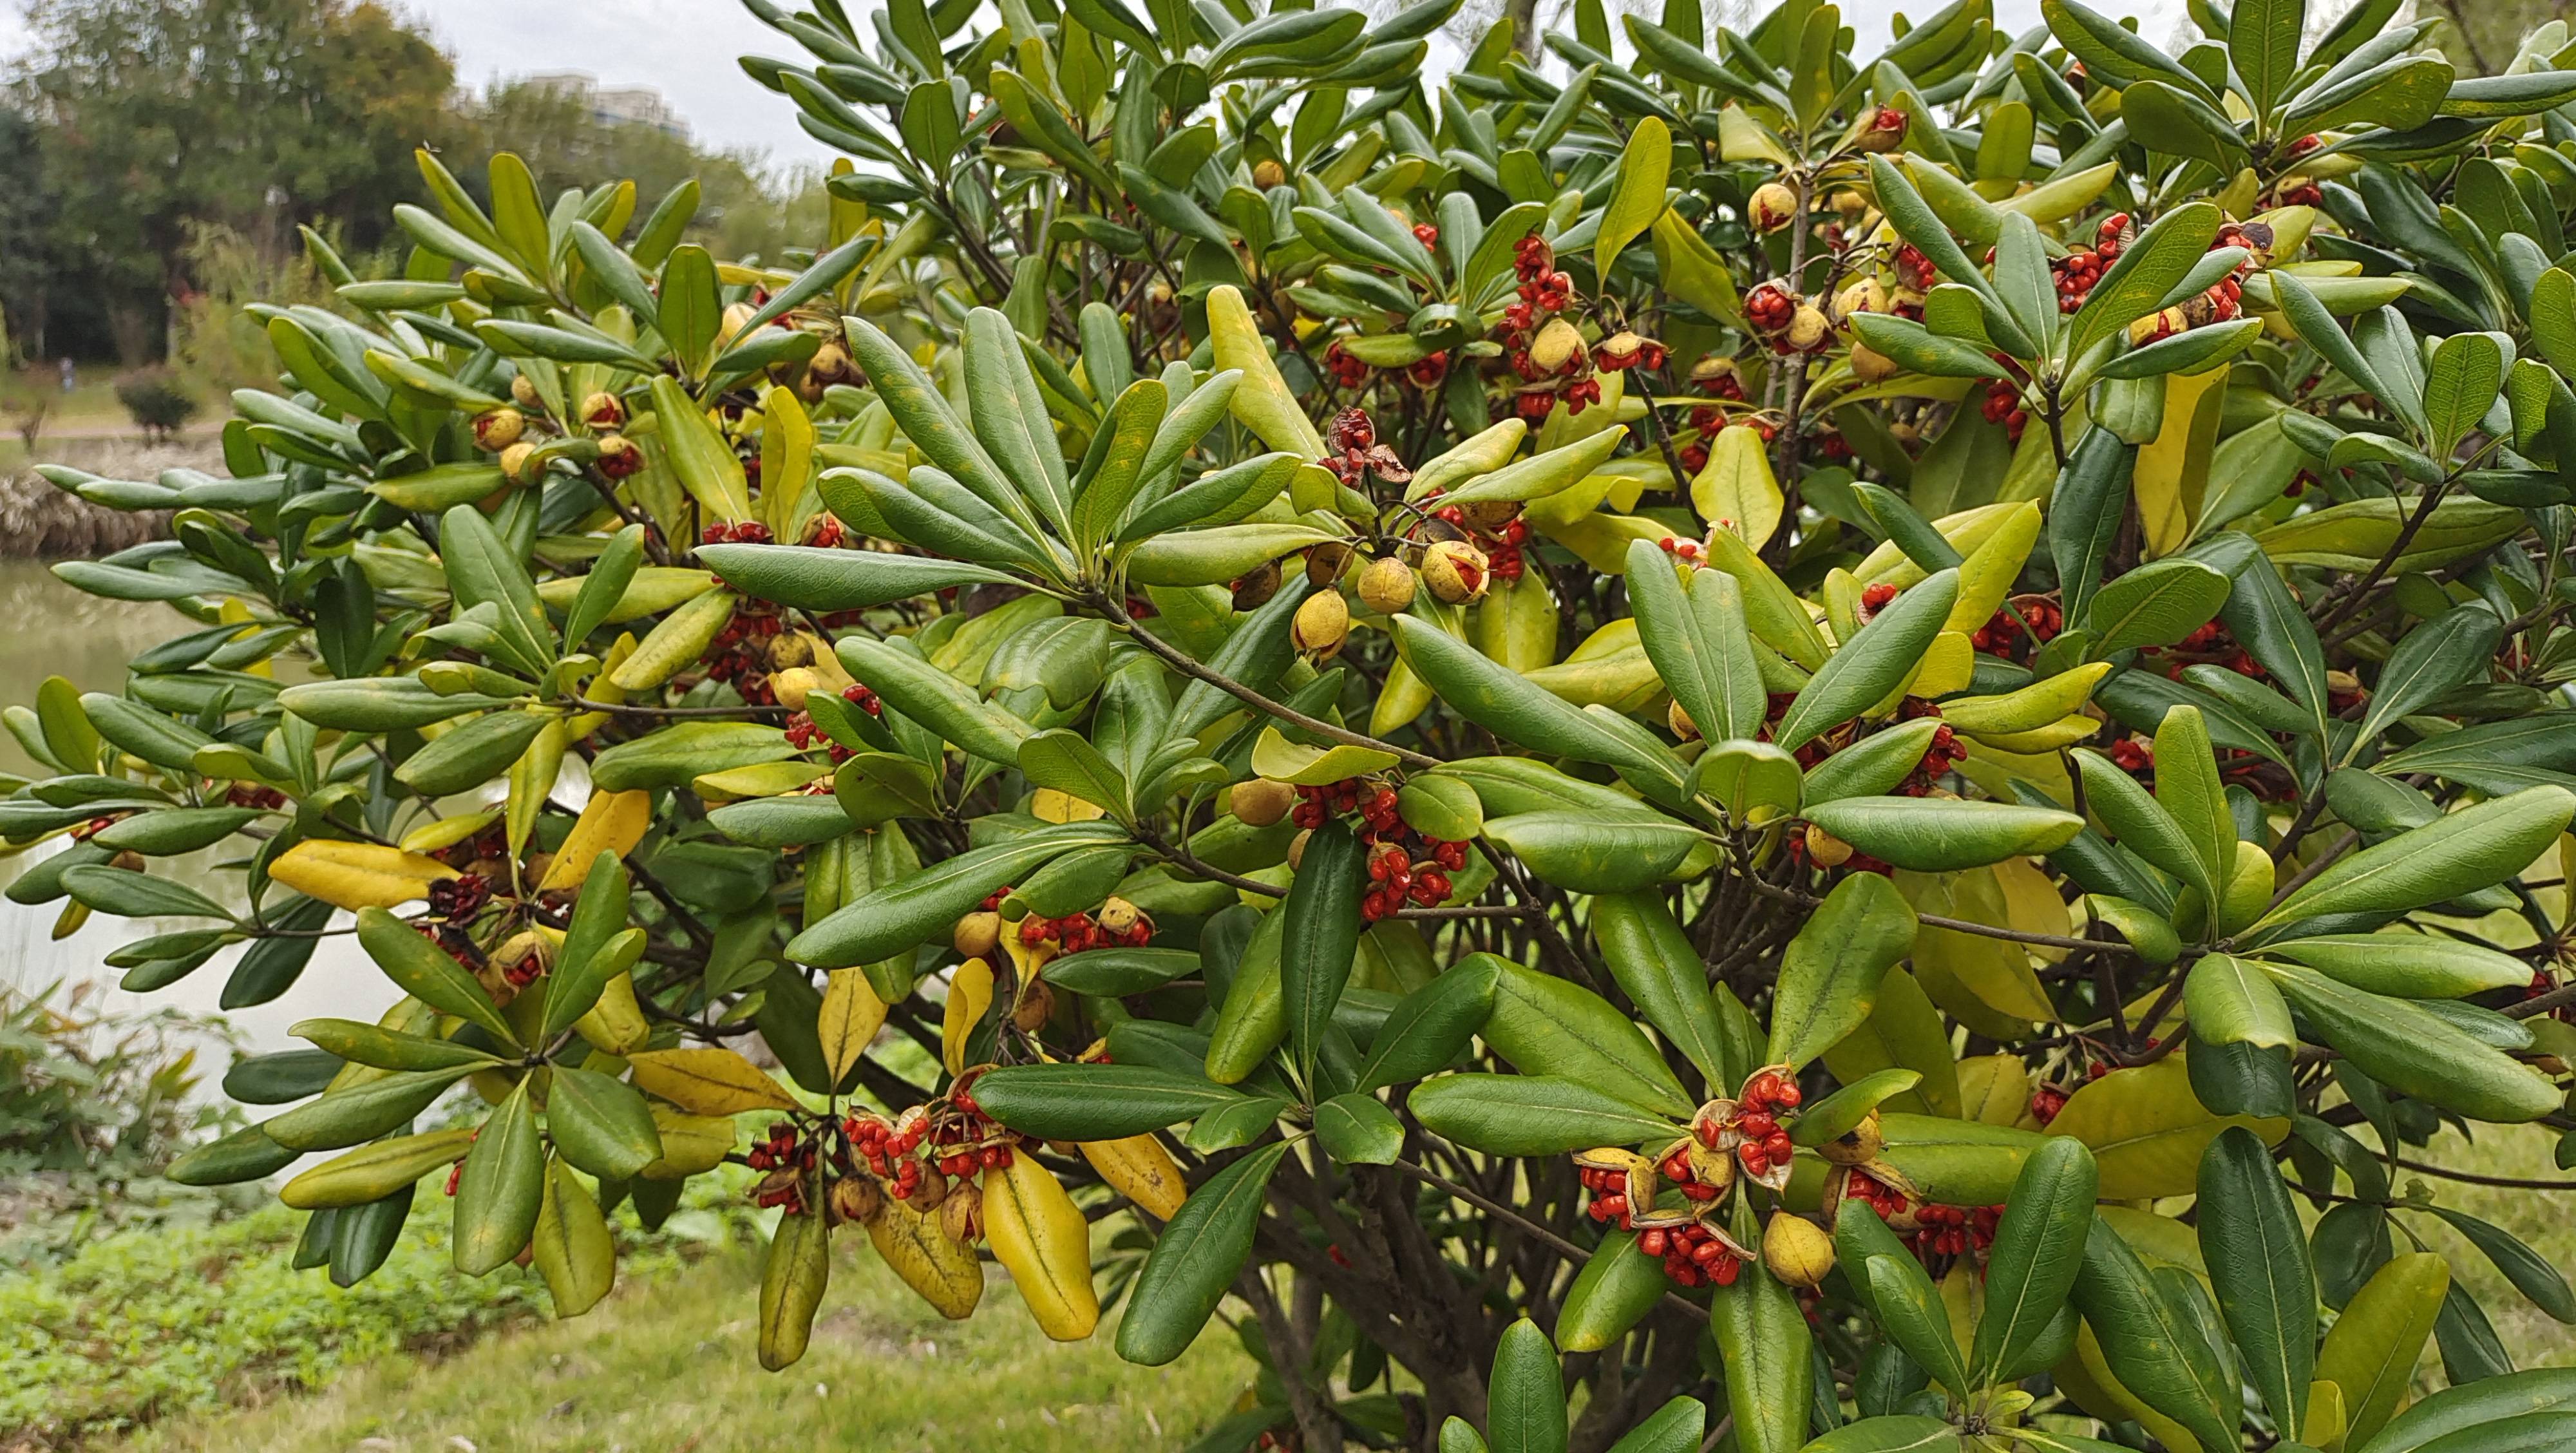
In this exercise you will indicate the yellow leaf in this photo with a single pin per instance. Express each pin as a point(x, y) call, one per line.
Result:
point(1281, 760)
point(970, 996)
point(1987, 574)
point(1054, 804)
point(1636, 194)
point(1736, 490)
point(357, 875)
point(2173, 468)
point(1994, 1088)
point(850, 1018)
point(690, 1144)
point(2371, 1352)
point(611, 822)
point(708, 1081)
point(786, 463)
point(1262, 401)
point(1987, 983)
point(2147, 1129)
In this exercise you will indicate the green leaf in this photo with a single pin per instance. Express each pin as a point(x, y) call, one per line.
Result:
point(1532, 1115)
point(1763, 1338)
point(1525, 1401)
point(2175, 121)
point(2154, 605)
point(1428, 1028)
point(1659, 971)
point(1072, 1101)
point(1593, 852)
point(2150, 1343)
point(808, 578)
point(2465, 851)
point(1699, 642)
point(2428, 661)
point(361, 1111)
point(1936, 835)
point(1918, 349)
point(2147, 270)
point(574, 1251)
point(129, 894)
point(1357, 1130)
point(1910, 1310)
point(501, 1188)
point(1544, 1025)
point(2188, 789)
point(2530, 1273)
point(1613, 1292)
point(1195, 1260)
point(1873, 663)
point(2038, 1248)
point(1636, 193)
point(2263, 41)
point(2407, 1047)
point(2493, 1403)
point(910, 911)
point(2461, 384)
point(1510, 705)
point(1830, 972)
point(424, 971)
point(1321, 942)
point(599, 1124)
point(2257, 1257)
point(792, 1282)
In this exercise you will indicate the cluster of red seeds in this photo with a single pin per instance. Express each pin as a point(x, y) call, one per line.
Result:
point(1633, 352)
point(1758, 1109)
point(1883, 1198)
point(2047, 1100)
point(737, 656)
point(968, 1140)
point(1770, 306)
point(1355, 450)
point(887, 1151)
point(1692, 1254)
point(459, 897)
point(1079, 931)
point(1501, 547)
point(2003, 630)
point(786, 1157)
point(1913, 269)
point(1344, 366)
point(2225, 299)
point(1544, 290)
point(1393, 866)
point(749, 532)
point(2541, 984)
point(2079, 270)
point(1681, 549)
point(251, 794)
point(1943, 750)
point(2135, 758)
point(456, 1172)
point(2003, 404)
point(1955, 1230)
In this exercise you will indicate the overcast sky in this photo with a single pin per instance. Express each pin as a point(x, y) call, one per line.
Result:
point(687, 50)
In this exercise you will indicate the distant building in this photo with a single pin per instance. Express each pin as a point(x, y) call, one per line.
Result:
point(616, 105)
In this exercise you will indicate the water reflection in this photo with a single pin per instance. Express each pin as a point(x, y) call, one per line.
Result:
point(57, 630)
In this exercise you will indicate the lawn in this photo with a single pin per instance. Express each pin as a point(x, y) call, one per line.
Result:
point(667, 1365)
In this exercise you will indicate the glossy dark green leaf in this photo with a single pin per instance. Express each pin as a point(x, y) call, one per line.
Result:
point(1194, 1261)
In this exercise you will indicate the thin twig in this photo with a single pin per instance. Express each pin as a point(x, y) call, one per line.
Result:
point(1525, 1225)
point(1182, 662)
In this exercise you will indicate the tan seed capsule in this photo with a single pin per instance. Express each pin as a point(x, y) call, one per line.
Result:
point(856, 1198)
point(1118, 915)
point(603, 411)
point(1797, 1250)
point(1387, 585)
point(515, 463)
point(934, 1189)
point(1261, 802)
point(1809, 327)
point(1267, 174)
point(1868, 295)
point(523, 391)
point(733, 322)
point(1681, 723)
point(830, 365)
point(1490, 515)
point(1826, 850)
point(1557, 345)
point(1326, 562)
point(1870, 365)
point(1256, 586)
point(961, 1216)
point(1857, 1146)
point(1321, 625)
point(978, 933)
point(1772, 207)
point(1455, 570)
point(498, 429)
point(1034, 1007)
point(1297, 848)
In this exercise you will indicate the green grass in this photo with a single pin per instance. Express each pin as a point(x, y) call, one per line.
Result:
point(668, 1364)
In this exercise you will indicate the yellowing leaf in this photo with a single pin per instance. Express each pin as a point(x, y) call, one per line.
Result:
point(970, 996)
point(1262, 401)
point(1736, 490)
point(708, 1081)
point(1986, 576)
point(2147, 1130)
point(850, 1018)
point(2173, 469)
point(357, 875)
point(1054, 804)
point(1994, 1088)
point(1281, 760)
point(705, 464)
point(611, 822)
point(787, 441)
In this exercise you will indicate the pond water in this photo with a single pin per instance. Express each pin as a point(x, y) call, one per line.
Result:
point(49, 629)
